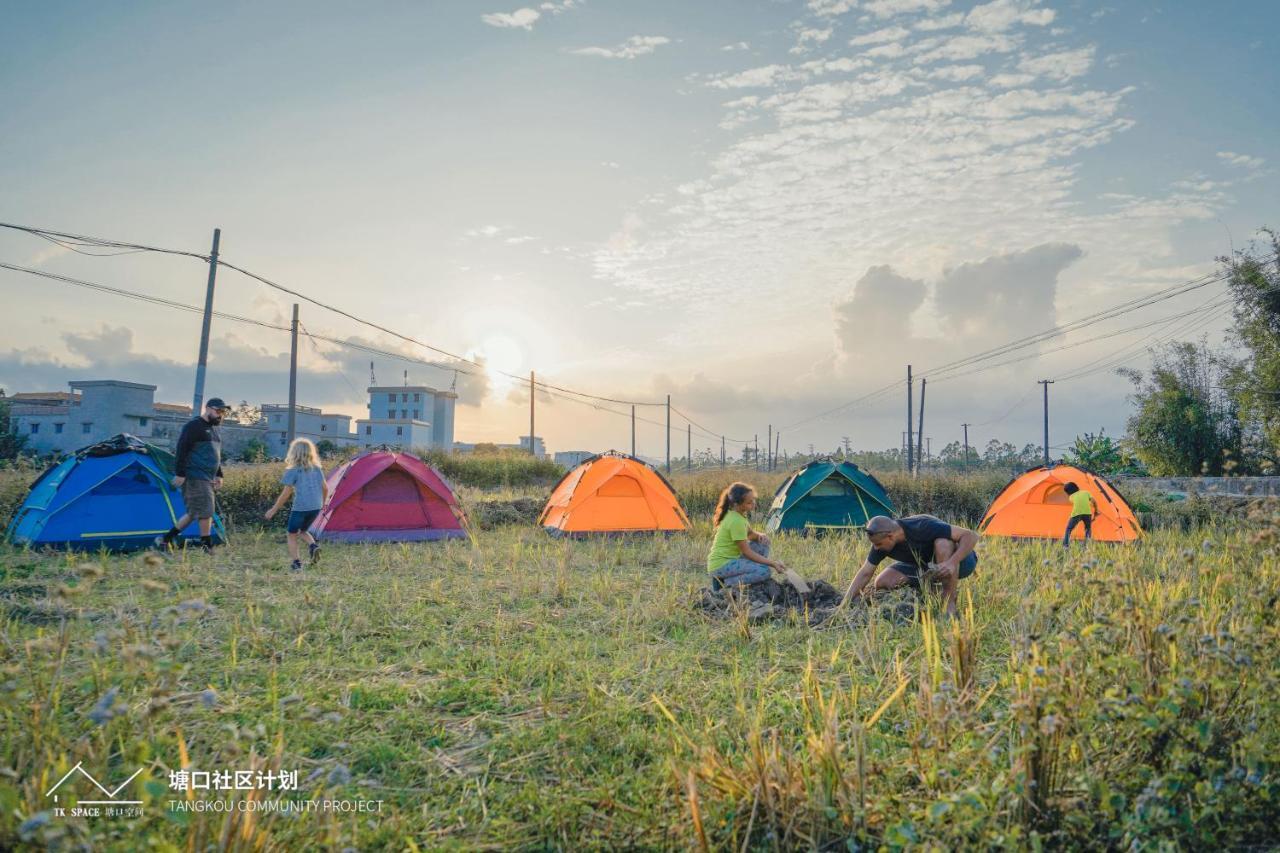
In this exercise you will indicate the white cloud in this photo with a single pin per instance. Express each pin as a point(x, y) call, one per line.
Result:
point(523, 19)
point(956, 73)
point(964, 47)
point(890, 8)
point(740, 45)
point(807, 37)
point(944, 22)
point(1061, 66)
point(629, 49)
point(830, 8)
point(1001, 15)
point(485, 231)
point(1243, 161)
point(881, 36)
point(522, 238)
point(765, 75)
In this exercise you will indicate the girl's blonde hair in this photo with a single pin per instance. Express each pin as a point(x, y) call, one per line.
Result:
point(302, 454)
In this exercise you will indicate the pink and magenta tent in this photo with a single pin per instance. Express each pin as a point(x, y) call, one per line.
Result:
point(389, 497)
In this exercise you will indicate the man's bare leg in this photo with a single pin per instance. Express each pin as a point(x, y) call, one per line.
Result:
point(942, 550)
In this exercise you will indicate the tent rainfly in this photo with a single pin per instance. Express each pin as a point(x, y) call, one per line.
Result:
point(1035, 506)
point(612, 493)
point(383, 496)
point(827, 495)
point(115, 495)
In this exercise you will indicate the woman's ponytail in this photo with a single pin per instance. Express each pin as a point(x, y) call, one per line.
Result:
point(729, 498)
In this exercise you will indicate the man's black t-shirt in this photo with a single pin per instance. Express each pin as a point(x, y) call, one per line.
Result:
point(917, 548)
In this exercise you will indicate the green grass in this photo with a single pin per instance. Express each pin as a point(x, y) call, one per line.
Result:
point(525, 693)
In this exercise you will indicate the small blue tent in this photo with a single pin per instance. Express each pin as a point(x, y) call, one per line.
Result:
point(827, 495)
point(114, 495)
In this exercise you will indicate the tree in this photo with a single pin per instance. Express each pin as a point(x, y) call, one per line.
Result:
point(255, 450)
point(1186, 424)
point(1103, 454)
point(11, 443)
point(1254, 383)
point(326, 448)
point(244, 414)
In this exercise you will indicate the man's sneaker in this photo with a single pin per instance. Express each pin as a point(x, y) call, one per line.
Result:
point(314, 549)
point(295, 566)
point(160, 543)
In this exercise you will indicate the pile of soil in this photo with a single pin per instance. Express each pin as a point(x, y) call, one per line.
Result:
point(770, 600)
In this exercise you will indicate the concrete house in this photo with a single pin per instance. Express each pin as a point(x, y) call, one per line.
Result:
point(92, 411)
point(408, 416)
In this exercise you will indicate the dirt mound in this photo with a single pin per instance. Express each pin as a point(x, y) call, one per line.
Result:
point(770, 600)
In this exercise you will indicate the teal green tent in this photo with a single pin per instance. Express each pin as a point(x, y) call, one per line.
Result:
point(827, 495)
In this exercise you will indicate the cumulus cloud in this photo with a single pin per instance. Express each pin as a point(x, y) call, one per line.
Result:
point(523, 19)
point(890, 8)
point(629, 49)
point(880, 36)
point(1002, 15)
point(1243, 161)
point(1060, 66)
point(809, 37)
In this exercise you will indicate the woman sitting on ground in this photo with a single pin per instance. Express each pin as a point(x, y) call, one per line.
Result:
point(739, 555)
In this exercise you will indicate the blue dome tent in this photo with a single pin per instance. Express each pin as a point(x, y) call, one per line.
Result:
point(114, 495)
point(827, 495)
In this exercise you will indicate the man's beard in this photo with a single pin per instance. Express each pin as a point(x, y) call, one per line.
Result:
point(215, 420)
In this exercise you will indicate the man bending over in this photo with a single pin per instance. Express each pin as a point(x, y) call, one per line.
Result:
point(924, 547)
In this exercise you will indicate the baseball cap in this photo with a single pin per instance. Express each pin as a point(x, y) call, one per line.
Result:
point(216, 403)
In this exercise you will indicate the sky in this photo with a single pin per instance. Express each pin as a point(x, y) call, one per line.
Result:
point(766, 208)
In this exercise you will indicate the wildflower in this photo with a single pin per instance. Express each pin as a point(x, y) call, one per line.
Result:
point(107, 707)
point(28, 827)
point(208, 698)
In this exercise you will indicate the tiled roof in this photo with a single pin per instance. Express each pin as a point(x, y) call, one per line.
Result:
point(176, 408)
point(25, 396)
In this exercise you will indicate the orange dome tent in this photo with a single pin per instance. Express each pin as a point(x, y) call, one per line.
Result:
point(1035, 506)
point(612, 493)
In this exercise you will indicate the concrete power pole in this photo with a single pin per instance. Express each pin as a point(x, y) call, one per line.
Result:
point(768, 449)
point(910, 450)
point(293, 378)
point(688, 443)
point(668, 433)
point(633, 430)
point(722, 458)
point(966, 444)
point(1046, 383)
point(533, 448)
point(197, 401)
point(920, 431)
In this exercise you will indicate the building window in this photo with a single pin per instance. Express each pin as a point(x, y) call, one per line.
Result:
point(399, 430)
point(368, 430)
point(415, 414)
point(142, 422)
point(417, 398)
point(324, 427)
point(391, 414)
point(404, 398)
point(86, 428)
point(35, 428)
point(404, 414)
point(391, 398)
point(57, 428)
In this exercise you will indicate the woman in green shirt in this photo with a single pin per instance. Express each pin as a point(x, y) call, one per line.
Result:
point(739, 555)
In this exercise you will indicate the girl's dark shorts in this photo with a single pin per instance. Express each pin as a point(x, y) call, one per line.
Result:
point(300, 521)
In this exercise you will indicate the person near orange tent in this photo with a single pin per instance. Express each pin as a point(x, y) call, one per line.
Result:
point(739, 555)
point(1084, 509)
point(924, 547)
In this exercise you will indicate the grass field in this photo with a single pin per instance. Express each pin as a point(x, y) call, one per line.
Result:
point(525, 693)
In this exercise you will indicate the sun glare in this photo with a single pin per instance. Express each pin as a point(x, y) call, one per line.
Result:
point(501, 356)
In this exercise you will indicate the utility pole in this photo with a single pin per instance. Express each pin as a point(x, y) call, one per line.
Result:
point(966, 444)
point(928, 448)
point(668, 433)
point(633, 430)
point(197, 401)
point(920, 431)
point(293, 378)
point(777, 442)
point(722, 459)
point(755, 453)
point(688, 443)
point(910, 458)
point(1046, 383)
point(768, 449)
point(533, 449)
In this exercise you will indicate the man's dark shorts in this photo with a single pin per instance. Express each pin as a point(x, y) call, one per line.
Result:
point(300, 521)
point(967, 565)
point(198, 496)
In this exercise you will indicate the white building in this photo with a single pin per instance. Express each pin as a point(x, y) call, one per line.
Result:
point(93, 411)
point(408, 416)
point(309, 422)
point(572, 458)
